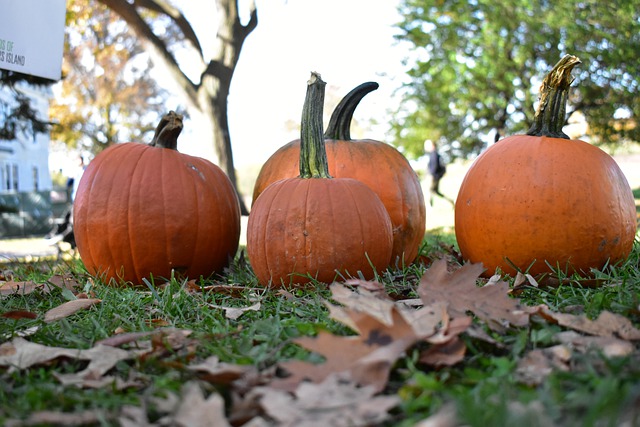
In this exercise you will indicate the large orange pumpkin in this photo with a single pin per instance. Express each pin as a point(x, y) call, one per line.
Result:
point(144, 210)
point(377, 164)
point(542, 201)
point(314, 224)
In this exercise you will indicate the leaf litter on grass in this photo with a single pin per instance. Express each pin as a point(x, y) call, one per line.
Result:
point(348, 386)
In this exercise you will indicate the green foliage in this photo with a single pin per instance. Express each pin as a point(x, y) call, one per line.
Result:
point(475, 67)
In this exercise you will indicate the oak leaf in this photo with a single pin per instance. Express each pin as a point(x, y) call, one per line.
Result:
point(490, 303)
point(385, 330)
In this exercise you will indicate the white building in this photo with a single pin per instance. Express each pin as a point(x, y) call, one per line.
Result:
point(25, 182)
point(24, 161)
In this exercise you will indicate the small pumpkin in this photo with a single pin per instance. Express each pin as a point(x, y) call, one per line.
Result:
point(377, 164)
point(144, 210)
point(314, 224)
point(541, 201)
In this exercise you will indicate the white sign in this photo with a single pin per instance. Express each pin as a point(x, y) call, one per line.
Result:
point(32, 36)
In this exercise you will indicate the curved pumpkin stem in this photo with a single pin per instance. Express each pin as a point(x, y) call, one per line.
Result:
point(340, 121)
point(313, 155)
point(167, 131)
point(554, 91)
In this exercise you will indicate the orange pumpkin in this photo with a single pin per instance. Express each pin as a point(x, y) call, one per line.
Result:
point(377, 164)
point(144, 210)
point(541, 201)
point(314, 224)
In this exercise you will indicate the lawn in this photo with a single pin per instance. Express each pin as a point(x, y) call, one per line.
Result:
point(187, 352)
point(423, 345)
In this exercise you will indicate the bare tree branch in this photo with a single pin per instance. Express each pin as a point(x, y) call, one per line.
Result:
point(167, 9)
point(158, 48)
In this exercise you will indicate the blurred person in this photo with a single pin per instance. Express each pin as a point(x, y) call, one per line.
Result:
point(437, 170)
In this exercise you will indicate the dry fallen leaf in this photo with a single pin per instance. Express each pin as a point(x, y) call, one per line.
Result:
point(214, 371)
point(189, 409)
point(446, 354)
point(609, 346)
point(19, 314)
point(194, 410)
point(68, 308)
point(348, 353)
point(334, 402)
point(66, 281)
point(22, 288)
point(490, 303)
point(54, 418)
point(606, 325)
point(234, 313)
point(445, 417)
point(386, 329)
point(21, 354)
point(536, 365)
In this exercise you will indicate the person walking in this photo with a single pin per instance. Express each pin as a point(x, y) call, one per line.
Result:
point(437, 170)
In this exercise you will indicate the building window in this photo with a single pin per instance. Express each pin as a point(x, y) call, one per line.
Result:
point(15, 177)
point(35, 179)
point(7, 177)
point(3, 179)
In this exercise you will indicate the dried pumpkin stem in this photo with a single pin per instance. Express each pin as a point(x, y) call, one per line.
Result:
point(167, 131)
point(339, 127)
point(313, 155)
point(554, 92)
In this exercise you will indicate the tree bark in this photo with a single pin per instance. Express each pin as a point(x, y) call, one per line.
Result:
point(209, 95)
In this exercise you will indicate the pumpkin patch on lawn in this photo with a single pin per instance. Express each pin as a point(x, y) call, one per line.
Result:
point(328, 207)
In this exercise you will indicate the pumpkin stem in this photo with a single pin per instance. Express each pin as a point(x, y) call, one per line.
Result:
point(554, 91)
point(340, 121)
point(167, 131)
point(313, 155)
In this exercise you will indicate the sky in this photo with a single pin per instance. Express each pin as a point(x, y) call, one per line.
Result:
point(348, 42)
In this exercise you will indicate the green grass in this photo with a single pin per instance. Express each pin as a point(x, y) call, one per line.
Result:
point(483, 389)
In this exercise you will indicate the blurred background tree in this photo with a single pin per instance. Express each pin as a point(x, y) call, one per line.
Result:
point(107, 93)
point(167, 35)
point(475, 68)
point(16, 113)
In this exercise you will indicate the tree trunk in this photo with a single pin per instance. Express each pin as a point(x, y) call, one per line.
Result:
point(209, 95)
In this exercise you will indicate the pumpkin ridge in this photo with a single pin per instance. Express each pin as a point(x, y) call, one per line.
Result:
point(80, 205)
point(162, 161)
point(356, 206)
point(113, 247)
point(195, 248)
point(305, 219)
point(269, 261)
point(88, 206)
point(131, 227)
